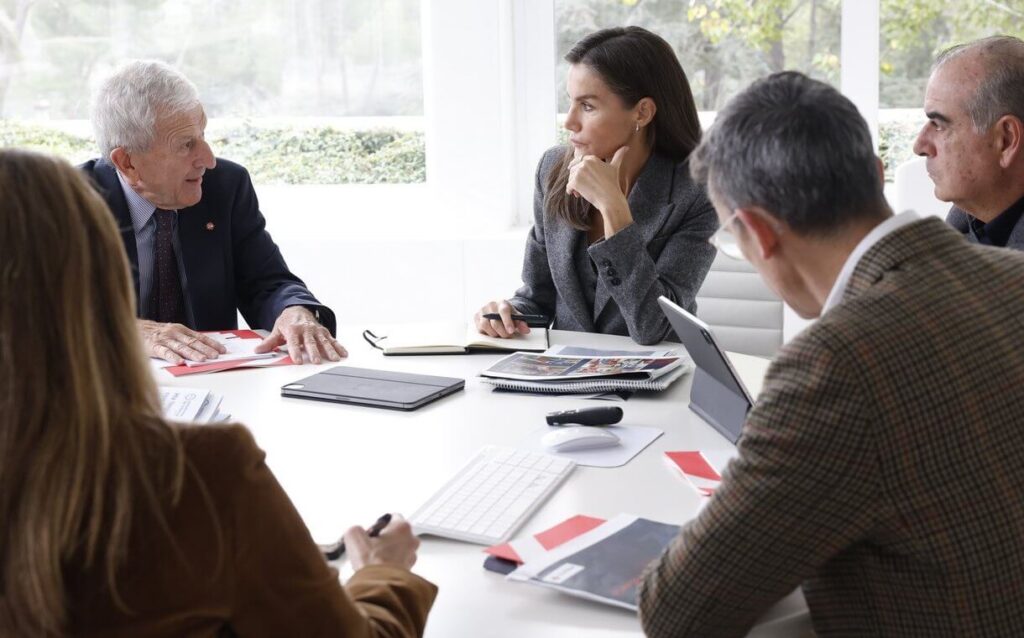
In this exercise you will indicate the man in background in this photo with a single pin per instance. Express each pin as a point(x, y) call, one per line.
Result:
point(192, 227)
point(974, 138)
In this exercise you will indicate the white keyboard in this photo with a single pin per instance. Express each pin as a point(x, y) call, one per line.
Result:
point(489, 498)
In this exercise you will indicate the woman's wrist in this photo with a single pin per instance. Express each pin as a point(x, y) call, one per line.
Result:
point(616, 217)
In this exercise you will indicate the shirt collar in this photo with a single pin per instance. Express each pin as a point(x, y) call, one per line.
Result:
point(997, 232)
point(872, 238)
point(140, 208)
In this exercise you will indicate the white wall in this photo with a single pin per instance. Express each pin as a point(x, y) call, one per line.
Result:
point(389, 253)
point(345, 242)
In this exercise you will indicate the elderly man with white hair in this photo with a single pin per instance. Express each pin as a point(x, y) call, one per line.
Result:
point(192, 227)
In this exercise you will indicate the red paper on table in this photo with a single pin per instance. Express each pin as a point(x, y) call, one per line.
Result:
point(520, 551)
point(218, 366)
point(696, 469)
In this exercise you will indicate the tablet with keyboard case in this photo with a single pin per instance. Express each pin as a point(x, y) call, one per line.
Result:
point(375, 388)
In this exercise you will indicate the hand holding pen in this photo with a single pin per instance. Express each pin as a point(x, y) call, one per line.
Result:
point(501, 319)
point(388, 541)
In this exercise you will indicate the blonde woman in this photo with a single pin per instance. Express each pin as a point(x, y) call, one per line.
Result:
point(113, 522)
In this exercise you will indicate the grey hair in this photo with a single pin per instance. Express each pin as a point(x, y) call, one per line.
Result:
point(1001, 90)
point(796, 148)
point(126, 105)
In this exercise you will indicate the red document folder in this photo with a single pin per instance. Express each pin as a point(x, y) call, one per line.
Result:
point(219, 366)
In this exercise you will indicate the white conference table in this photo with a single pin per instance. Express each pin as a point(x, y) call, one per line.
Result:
point(344, 464)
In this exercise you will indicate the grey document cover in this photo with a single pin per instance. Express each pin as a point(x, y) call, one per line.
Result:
point(717, 394)
point(376, 388)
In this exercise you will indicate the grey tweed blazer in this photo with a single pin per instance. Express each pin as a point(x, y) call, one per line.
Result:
point(881, 465)
point(958, 219)
point(663, 252)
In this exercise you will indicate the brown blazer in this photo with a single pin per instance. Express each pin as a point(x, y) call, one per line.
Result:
point(242, 563)
point(882, 466)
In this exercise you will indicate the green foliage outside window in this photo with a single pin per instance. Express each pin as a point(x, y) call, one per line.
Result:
point(279, 155)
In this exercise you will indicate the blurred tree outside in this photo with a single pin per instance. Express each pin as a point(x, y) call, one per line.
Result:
point(288, 69)
point(725, 44)
point(914, 32)
point(249, 58)
point(282, 72)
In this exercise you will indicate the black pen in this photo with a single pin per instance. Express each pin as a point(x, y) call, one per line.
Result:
point(334, 551)
point(534, 321)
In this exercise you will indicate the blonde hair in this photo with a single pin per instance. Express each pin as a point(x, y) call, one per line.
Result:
point(82, 439)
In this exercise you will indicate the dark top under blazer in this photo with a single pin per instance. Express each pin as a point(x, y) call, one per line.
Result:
point(960, 220)
point(663, 252)
point(233, 265)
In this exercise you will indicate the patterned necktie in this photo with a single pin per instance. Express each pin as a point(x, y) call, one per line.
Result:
point(166, 303)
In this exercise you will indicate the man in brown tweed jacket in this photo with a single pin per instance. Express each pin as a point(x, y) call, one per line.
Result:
point(882, 467)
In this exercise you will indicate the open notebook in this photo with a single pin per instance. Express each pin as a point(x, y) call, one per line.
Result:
point(446, 338)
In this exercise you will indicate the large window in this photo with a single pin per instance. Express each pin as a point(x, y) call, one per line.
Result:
point(723, 45)
point(300, 91)
point(913, 33)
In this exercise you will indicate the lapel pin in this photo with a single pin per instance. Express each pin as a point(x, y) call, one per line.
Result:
point(210, 226)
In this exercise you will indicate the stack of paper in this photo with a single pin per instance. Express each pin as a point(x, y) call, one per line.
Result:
point(192, 405)
point(563, 374)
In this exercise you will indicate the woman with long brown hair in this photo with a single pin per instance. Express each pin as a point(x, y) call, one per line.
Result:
point(113, 522)
point(617, 220)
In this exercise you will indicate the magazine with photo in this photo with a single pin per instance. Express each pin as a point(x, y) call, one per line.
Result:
point(605, 564)
point(582, 351)
point(524, 366)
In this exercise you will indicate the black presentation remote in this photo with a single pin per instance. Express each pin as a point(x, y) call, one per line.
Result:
point(602, 415)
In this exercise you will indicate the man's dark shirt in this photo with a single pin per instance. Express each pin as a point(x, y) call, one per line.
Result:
point(997, 232)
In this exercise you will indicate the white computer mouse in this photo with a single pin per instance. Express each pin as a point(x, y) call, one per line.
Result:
point(578, 438)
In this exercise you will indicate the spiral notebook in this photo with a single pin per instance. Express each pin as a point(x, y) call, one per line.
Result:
point(581, 386)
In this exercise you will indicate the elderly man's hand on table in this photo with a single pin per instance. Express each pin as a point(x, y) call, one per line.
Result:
point(299, 330)
point(174, 342)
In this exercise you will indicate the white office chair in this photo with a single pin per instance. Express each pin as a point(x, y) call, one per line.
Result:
point(915, 190)
point(745, 315)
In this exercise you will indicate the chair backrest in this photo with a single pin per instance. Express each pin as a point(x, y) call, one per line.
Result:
point(916, 191)
point(745, 315)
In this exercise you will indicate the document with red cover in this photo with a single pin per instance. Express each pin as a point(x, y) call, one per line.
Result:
point(697, 469)
point(605, 564)
point(507, 556)
point(219, 365)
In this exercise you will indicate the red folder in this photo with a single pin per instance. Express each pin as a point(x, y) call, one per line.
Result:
point(219, 366)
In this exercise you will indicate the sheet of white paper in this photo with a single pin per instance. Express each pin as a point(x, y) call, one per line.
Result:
point(159, 364)
point(632, 440)
point(718, 459)
point(210, 408)
point(580, 351)
point(182, 404)
point(237, 349)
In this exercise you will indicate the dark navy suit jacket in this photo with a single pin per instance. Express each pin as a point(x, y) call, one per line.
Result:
point(230, 261)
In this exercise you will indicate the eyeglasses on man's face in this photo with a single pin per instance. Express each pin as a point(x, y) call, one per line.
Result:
point(726, 241)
